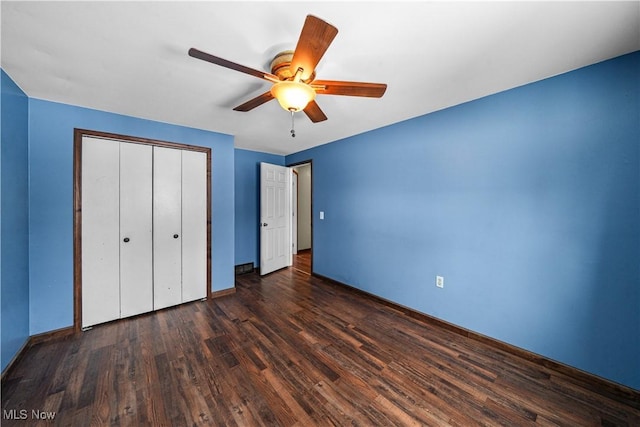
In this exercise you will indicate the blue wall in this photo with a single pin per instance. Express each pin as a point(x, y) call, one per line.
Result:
point(51, 200)
point(14, 290)
point(247, 198)
point(527, 202)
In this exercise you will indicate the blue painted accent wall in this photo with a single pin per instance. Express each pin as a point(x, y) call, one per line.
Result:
point(14, 258)
point(51, 200)
point(247, 199)
point(527, 202)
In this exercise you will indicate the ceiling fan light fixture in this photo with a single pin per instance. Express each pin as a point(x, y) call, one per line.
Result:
point(293, 96)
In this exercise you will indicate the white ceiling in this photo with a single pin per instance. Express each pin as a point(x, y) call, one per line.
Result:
point(131, 57)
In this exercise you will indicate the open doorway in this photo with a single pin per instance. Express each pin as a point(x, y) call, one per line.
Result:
point(302, 221)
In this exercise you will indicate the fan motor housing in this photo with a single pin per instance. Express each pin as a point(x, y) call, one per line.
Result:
point(280, 67)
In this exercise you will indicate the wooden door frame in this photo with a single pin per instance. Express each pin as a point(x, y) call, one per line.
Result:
point(78, 134)
point(310, 163)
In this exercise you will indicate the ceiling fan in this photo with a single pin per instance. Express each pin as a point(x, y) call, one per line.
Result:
point(293, 74)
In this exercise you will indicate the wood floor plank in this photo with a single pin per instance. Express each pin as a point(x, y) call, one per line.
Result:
point(290, 349)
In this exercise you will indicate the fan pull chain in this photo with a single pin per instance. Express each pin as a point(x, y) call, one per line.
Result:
point(293, 131)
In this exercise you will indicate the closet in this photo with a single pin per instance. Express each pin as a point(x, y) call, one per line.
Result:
point(144, 232)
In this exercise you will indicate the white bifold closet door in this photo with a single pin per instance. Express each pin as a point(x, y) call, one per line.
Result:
point(167, 227)
point(179, 226)
point(100, 231)
point(144, 228)
point(194, 225)
point(136, 224)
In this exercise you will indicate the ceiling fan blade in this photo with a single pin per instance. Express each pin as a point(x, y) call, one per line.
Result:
point(313, 111)
point(333, 87)
point(255, 102)
point(315, 38)
point(231, 65)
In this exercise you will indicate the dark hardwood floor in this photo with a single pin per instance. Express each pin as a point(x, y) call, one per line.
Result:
point(290, 349)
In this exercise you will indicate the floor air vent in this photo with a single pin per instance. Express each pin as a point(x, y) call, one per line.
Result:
point(244, 268)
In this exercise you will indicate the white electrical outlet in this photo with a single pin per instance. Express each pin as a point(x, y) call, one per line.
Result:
point(440, 281)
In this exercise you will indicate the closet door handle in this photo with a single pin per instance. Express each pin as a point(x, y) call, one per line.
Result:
point(126, 240)
point(175, 236)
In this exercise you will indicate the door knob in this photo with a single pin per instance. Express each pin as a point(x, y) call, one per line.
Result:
point(264, 224)
point(126, 240)
point(175, 236)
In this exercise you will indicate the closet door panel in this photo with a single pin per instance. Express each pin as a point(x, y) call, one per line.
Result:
point(100, 231)
point(136, 202)
point(167, 227)
point(194, 225)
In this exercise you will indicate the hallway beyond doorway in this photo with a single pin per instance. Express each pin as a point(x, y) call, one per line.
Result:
point(302, 261)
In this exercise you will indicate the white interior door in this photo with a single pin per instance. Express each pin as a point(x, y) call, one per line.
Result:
point(136, 202)
point(100, 231)
point(167, 227)
point(275, 218)
point(294, 212)
point(194, 225)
